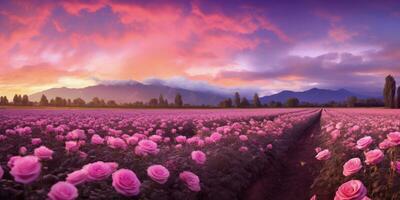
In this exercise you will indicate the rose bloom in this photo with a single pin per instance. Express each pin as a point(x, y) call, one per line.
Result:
point(395, 165)
point(43, 153)
point(22, 150)
point(364, 142)
point(323, 155)
point(98, 170)
point(243, 138)
point(158, 173)
point(199, 157)
point(116, 143)
point(373, 157)
point(126, 182)
point(318, 149)
point(215, 136)
point(97, 139)
point(269, 146)
point(26, 169)
point(71, 146)
point(386, 144)
point(394, 137)
point(146, 147)
point(191, 180)
point(180, 139)
point(36, 141)
point(77, 177)
point(12, 160)
point(351, 190)
point(352, 166)
point(243, 149)
point(63, 191)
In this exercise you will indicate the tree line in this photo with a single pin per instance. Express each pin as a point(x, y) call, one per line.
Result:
point(23, 100)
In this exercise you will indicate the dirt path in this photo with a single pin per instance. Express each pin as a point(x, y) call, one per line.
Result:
point(293, 176)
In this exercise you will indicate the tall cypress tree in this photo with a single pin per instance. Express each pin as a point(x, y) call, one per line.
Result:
point(44, 101)
point(389, 91)
point(178, 100)
point(256, 101)
point(236, 99)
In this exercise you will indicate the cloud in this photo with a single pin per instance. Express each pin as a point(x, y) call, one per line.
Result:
point(340, 34)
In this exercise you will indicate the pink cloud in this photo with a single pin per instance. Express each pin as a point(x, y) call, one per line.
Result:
point(340, 34)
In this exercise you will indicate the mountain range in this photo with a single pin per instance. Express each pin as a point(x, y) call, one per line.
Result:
point(313, 95)
point(136, 91)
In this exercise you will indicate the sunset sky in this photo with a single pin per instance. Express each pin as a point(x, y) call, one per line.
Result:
point(263, 46)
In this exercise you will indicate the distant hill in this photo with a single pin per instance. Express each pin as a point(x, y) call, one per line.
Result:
point(131, 92)
point(313, 95)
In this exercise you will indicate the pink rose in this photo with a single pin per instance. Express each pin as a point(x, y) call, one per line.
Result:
point(394, 137)
point(22, 150)
point(116, 143)
point(158, 173)
point(43, 153)
point(243, 149)
point(243, 138)
point(132, 140)
point(395, 166)
point(352, 166)
point(269, 146)
point(386, 143)
point(12, 160)
point(373, 157)
point(77, 177)
point(97, 139)
point(98, 170)
point(191, 180)
point(323, 155)
point(71, 146)
point(156, 138)
point(36, 141)
point(126, 182)
point(351, 190)
point(215, 137)
point(199, 157)
point(180, 139)
point(364, 142)
point(146, 147)
point(26, 169)
point(63, 191)
point(318, 149)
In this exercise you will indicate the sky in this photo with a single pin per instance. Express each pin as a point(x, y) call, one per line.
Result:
point(248, 46)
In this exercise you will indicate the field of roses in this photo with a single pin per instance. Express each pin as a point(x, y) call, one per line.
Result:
point(359, 153)
point(172, 154)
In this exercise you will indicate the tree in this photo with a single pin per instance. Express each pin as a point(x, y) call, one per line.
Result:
point(78, 102)
point(226, 103)
point(25, 100)
point(398, 97)
point(389, 92)
point(351, 101)
point(244, 103)
point(236, 99)
point(16, 99)
point(292, 102)
point(44, 101)
point(111, 103)
point(153, 102)
point(3, 100)
point(178, 100)
point(256, 101)
point(161, 100)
